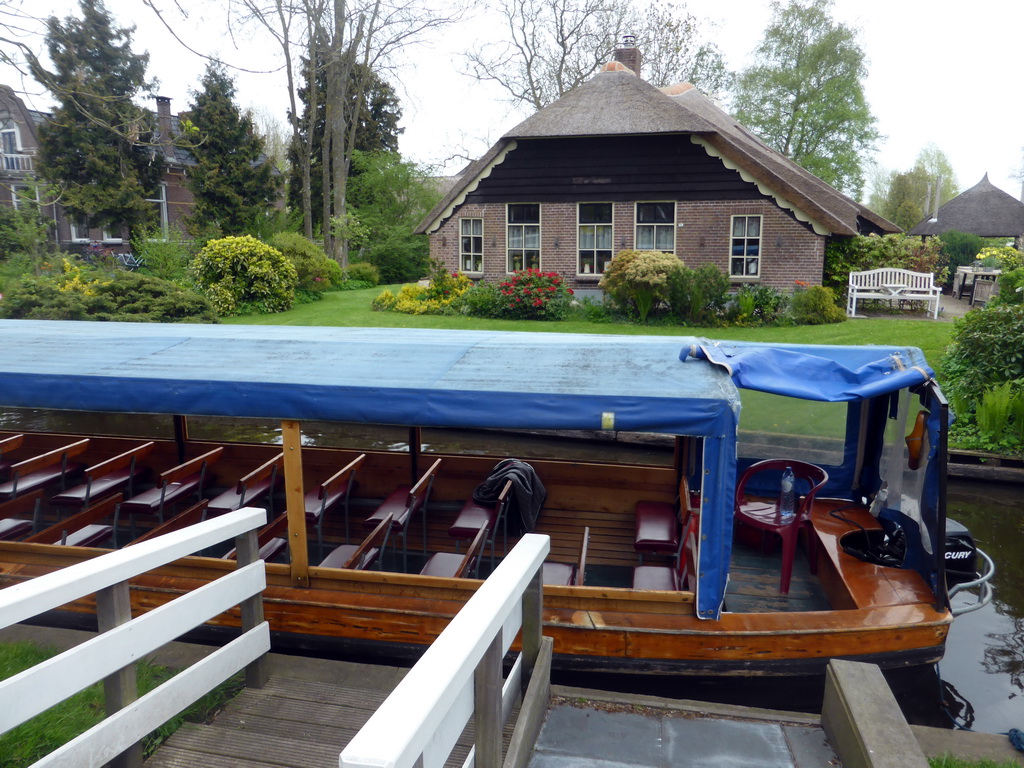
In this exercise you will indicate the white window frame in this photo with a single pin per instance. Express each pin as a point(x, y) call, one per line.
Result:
point(588, 234)
point(655, 228)
point(12, 129)
point(24, 190)
point(524, 229)
point(79, 230)
point(161, 207)
point(471, 258)
point(745, 247)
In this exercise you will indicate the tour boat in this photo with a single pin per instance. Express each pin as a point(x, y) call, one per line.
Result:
point(424, 417)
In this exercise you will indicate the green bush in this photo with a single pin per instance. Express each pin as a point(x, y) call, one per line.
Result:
point(857, 254)
point(639, 280)
point(1005, 258)
point(442, 296)
point(960, 249)
point(165, 257)
point(364, 272)
point(761, 304)
point(697, 296)
point(23, 230)
point(482, 300)
point(80, 293)
point(815, 305)
point(986, 349)
point(1011, 287)
point(241, 275)
point(534, 295)
point(316, 272)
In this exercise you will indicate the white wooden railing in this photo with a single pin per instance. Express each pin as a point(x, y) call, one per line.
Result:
point(111, 655)
point(459, 676)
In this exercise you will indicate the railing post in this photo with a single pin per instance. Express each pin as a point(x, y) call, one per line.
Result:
point(113, 608)
point(487, 706)
point(533, 599)
point(247, 551)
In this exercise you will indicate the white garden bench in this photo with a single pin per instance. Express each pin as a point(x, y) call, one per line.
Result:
point(892, 283)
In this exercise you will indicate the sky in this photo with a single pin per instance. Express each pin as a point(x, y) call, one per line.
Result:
point(939, 73)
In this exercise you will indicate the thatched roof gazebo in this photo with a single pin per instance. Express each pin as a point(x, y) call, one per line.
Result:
point(983, 210)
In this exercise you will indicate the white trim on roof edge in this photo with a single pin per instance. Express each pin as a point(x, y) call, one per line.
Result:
point(782, 202)
point(461, 197)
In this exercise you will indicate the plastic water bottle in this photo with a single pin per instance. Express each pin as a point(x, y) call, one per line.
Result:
point(787, 498)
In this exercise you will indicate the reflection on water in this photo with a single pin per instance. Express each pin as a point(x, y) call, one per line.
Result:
point(984, 659)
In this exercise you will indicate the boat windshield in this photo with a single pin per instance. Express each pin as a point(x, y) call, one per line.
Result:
point(775, 426)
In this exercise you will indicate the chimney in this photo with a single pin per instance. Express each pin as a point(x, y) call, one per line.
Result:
point(163, 118)
point(628, 54)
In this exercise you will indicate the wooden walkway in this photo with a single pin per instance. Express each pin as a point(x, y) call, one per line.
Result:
point(289, 723)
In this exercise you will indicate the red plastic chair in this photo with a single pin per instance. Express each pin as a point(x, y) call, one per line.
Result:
point(764, 515)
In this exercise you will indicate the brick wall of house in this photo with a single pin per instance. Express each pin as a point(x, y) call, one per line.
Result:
point(790, 250)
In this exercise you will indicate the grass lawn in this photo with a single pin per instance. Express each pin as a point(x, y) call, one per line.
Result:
point(36, 738)
point(352, 308)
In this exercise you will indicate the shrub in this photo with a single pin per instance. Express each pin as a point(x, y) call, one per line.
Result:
point(23, 230)
point(441, 296)
point(77, 294)
point(314, 270)
point(815, 305)
point(534, 295)
point(762, 303)
point(960, 249)
point(639, 280)
point(697, 296)
point(482, 300)
point(164, 257)
point(241, 275)
point(1005, 258)
point(364, 272)
point(1011, 288)
point(986, 349)
point(384, 301)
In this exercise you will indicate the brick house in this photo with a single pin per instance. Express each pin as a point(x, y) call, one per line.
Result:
point(617, 163)
point(19, 131)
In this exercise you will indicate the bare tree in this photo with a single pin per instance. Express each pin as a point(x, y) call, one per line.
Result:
point(552, 46)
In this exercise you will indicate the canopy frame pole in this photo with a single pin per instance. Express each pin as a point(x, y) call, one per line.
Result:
point(291, 434)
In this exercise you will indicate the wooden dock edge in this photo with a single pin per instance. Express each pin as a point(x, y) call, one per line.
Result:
point(533, 711)
point(863, 722)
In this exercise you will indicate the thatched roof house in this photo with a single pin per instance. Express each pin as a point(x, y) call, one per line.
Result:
point(617, 163)
point(983, 210)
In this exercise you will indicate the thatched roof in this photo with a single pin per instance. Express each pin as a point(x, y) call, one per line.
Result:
point(983, 210)
point(617, 103)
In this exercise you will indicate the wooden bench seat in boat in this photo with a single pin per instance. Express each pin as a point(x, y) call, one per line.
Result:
point(8, 444)
point(658, 523)
point(679, 575)
point(362, 556)
point(402, 503)
point(194, 514)
point(566, 574)
point(173, 485)
point(473, 516)
point(250, 489)
point(12, 527)
point(450, 565)
point(82, 529)
point(269, 540)
point(332, 493)
point(111, 476)
point(42, 471)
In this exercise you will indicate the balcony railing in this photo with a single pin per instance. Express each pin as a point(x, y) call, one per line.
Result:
point(18, 163)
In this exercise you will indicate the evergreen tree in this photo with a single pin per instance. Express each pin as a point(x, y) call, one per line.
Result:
point(377, 131)
point(804, 94)
point(98, 145)
point(232, 183)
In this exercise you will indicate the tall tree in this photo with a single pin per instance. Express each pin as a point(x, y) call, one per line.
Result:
point(906, 197)
point(552, 46)
point(804, 94)
point(232, 183)
point(97, 147)
point(377, 130)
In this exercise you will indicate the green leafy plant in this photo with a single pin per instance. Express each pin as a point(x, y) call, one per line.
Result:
point(164, 256)
point(482, 300)
point(697, 296)
point(364, 272)
point(241, 275)
point(857, 254)
point(994, 410)
point(815, 305)
point(1004, 258)
point(314, 270)
point(441, 296)
point(534, 295)
point(639, 280)
point(1011, 288)
point(960, 249)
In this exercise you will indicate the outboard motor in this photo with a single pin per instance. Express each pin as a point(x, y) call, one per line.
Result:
point(961, 554)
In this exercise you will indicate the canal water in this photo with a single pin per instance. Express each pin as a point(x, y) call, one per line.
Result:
point(980, 683)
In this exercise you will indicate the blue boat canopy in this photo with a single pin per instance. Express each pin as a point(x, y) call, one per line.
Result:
point(418, 377)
